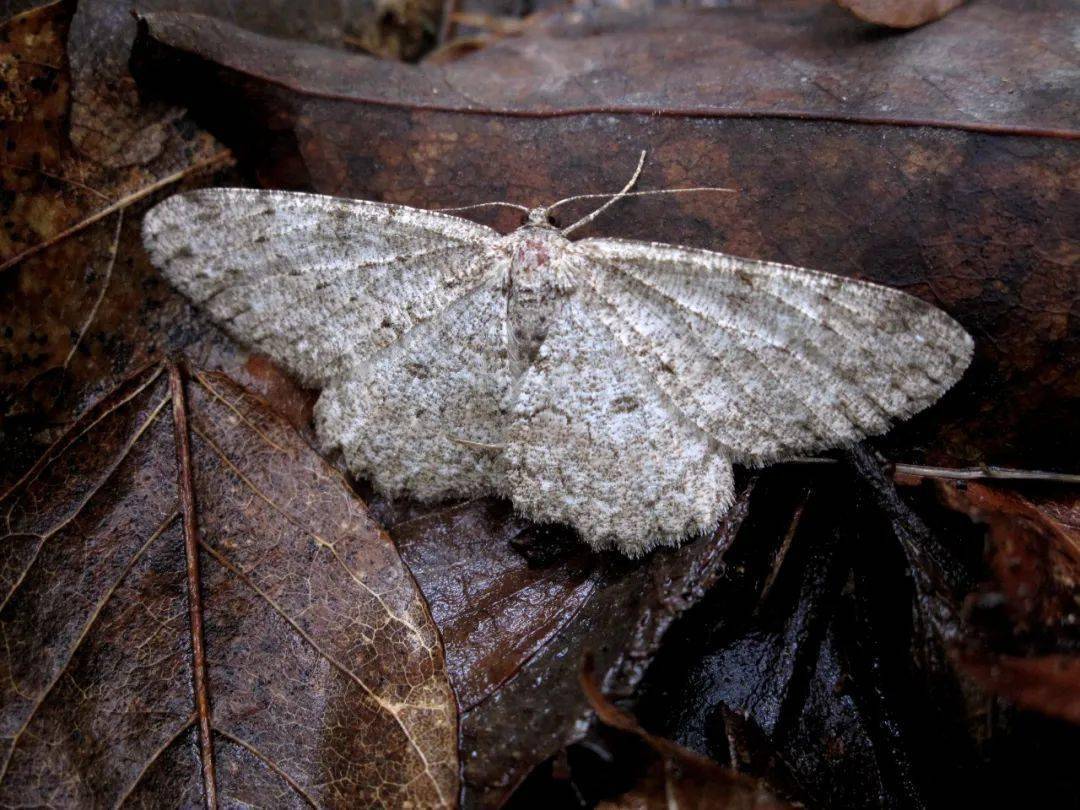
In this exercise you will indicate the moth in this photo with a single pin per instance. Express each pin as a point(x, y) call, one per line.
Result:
point(608, 384)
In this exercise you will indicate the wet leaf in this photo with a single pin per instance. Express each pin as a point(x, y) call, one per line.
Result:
point(815, 685)
point(899, 13)
point(494, 608)
point(678, 777)
point(903, 160)
point(846, 671)
point(519, 605)
point(195, 602)
point(1033, 554)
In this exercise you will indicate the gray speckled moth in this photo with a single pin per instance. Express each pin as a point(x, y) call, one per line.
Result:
point(604, 383)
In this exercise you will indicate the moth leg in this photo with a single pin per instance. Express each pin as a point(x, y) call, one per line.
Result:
point(595, 444)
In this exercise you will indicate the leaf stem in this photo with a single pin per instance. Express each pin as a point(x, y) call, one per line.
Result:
point(191, 547)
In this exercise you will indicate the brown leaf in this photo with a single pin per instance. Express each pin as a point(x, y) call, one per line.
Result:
point(678, 777)
point(899, 13)
point(114, 126)
point(515, 630)
point(494, 609)
point(138, 540)
point(80, 305)
point(1033, 553)
point(1045, 683)
point(55, 190)
point(396, 29)
point(904, 160)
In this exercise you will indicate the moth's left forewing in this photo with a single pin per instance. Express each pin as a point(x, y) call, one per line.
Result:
point(773, 360)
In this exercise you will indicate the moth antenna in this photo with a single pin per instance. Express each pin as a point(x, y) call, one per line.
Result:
point(627, 193)
point(648, 193)
point(585, 220)
point(482, 205)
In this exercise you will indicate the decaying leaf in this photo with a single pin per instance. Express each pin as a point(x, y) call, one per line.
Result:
point(113, 125)
point(677, 777)
point(495, 609)
point(54, 190)
point(241, 626)
point(899, 13)
point(401, 29)
point(80, 305)
point(518, 605)
point(1033, 553)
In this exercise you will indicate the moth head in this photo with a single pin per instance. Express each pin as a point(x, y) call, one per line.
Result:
point(540, 217)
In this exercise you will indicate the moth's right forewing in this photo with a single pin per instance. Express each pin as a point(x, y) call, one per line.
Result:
point(318, 283)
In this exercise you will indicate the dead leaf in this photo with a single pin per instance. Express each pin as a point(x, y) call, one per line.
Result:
point(395, 29)
point(899, 13)
point(517, 605)
point(903, 160)
point(80, 305)
point(1043, 683)
point(494, 609)
point(1034, 556)
point(1033, 553)
point(114, 126)
point(841, 674)
point(55, 191)
point(678, 777)
point(166, 523)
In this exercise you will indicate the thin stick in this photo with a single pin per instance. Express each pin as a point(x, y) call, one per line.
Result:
point(191, 547)
point(984, 473)
point(123, 202)
point(590, 217)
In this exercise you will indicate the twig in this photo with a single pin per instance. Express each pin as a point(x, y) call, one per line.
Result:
point(122, 203)
point(981, 473)
point(785, 546)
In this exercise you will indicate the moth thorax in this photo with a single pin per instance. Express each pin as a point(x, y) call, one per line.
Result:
point(537, 282)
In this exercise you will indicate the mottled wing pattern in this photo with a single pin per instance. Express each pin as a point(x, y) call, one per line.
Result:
point(594, 443)
point(772, 360)
point(424, 414)
point(318, 283)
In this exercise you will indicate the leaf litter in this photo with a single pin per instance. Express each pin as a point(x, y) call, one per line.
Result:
point(1022, 331)
point(322, 682)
